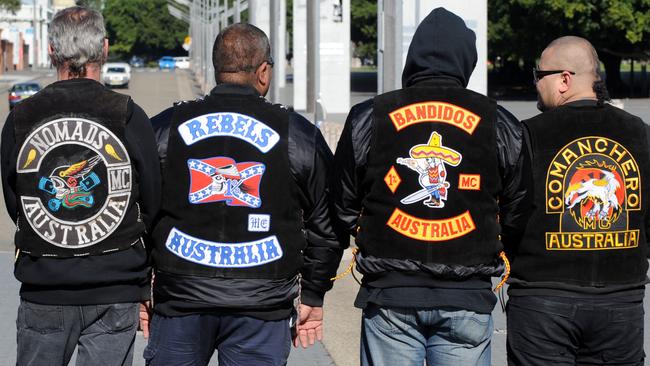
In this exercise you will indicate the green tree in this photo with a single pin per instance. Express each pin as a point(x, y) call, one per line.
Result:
point(143, 27)
point(363, 28)
point(520, 29)
point(10, 5)
point(94, 4)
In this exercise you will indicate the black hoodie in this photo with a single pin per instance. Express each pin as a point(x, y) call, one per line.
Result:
point(442, 47)
point(442, 54)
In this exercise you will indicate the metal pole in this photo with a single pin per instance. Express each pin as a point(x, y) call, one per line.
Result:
point(313, 52)
point(252, 11)
point(274, 11)
point(237, 16)
point(389, 53)
point(224, 17)
point(281, 60)
point(35, 34)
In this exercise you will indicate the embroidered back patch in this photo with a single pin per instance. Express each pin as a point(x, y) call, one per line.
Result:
point(82, 182)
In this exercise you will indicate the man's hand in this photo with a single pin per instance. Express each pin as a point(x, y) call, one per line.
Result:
point(309, 327)
point(145, 315)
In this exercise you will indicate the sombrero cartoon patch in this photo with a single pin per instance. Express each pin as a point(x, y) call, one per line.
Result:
point(429, 160)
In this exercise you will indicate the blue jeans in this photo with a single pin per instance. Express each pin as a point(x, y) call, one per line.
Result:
point(48, 334)
point(240, 340)
point(405, 336)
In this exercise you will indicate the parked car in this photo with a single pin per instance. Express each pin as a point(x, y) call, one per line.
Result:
point(116, 74)
point(182, 62)
point(167, 62)
point(136, 61)
point(21, 91)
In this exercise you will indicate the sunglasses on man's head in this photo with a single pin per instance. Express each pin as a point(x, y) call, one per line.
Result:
point(539, 74)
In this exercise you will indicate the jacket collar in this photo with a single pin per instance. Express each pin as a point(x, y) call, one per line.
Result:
point(238, 89)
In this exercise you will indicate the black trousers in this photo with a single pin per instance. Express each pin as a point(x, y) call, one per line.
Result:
point(563, 331)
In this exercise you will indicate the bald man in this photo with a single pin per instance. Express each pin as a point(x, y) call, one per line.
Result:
point(579, 273)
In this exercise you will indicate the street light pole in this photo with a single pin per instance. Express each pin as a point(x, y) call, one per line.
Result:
point(313, 53)
point(274, 16)
point(35, 34)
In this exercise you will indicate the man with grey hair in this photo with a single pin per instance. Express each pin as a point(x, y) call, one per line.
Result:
point(579, 272)
point(82, 183)
point(244, 234)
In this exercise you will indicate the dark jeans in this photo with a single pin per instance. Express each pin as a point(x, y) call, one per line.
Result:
point(48, 334)
point(239, 340)
point(562, 331)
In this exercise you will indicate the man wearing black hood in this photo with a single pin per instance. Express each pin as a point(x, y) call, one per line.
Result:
point(422, 174)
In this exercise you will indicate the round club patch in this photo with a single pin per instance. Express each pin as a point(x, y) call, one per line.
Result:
point(81, 182)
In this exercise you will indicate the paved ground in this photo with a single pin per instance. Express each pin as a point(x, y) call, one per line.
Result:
point(155, 91)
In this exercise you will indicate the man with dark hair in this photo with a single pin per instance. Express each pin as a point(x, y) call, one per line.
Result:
point(81, 181)
point(422, 174)
point(579, 272)
point(244, 235)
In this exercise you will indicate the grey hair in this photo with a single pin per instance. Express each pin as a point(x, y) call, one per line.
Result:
point(76, 35)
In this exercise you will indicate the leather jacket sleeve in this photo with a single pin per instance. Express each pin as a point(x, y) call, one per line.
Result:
point(514, 167)
point(350, 160)
point(8, 163)
point(311, 165)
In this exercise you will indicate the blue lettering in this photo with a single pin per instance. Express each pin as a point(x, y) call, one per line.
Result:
point(213, 253)
point(199, 252)
point(240, 255)
point(213, 126)
point(250, 135)
point(239, 127)
point(226, 123)
point(195, 129)
point(252, 258)
point(263, 139)
point(187, 248)
point(260, 251)
point(175, 242)
point(271, 249)
point(226, 252)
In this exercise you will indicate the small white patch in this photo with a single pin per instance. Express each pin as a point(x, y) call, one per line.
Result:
point(259, 223)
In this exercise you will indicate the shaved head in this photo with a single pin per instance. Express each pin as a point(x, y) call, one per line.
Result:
point(573, 65)
point(572, 53)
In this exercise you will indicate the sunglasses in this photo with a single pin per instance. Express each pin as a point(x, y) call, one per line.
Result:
point(269, 61)
point(250, 68)
point(539, 74)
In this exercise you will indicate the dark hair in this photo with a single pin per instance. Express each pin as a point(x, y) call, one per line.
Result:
point(239, 48)
point(600, 88)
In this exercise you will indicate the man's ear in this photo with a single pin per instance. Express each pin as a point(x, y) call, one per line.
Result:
point(50, 50)
point(105, 49)
point(566, 81)
point(263, 76)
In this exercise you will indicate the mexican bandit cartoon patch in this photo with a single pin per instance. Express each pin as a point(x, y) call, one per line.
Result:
point(429, 160)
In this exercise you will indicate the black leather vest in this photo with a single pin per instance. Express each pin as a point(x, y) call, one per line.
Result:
point(589, 168)
point(432, 178)
point(230, 206)
point(76, 187)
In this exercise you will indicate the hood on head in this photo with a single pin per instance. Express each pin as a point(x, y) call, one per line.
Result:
point(442, 46)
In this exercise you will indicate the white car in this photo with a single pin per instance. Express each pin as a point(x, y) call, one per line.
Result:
point(182, 62)
point(116, 74)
